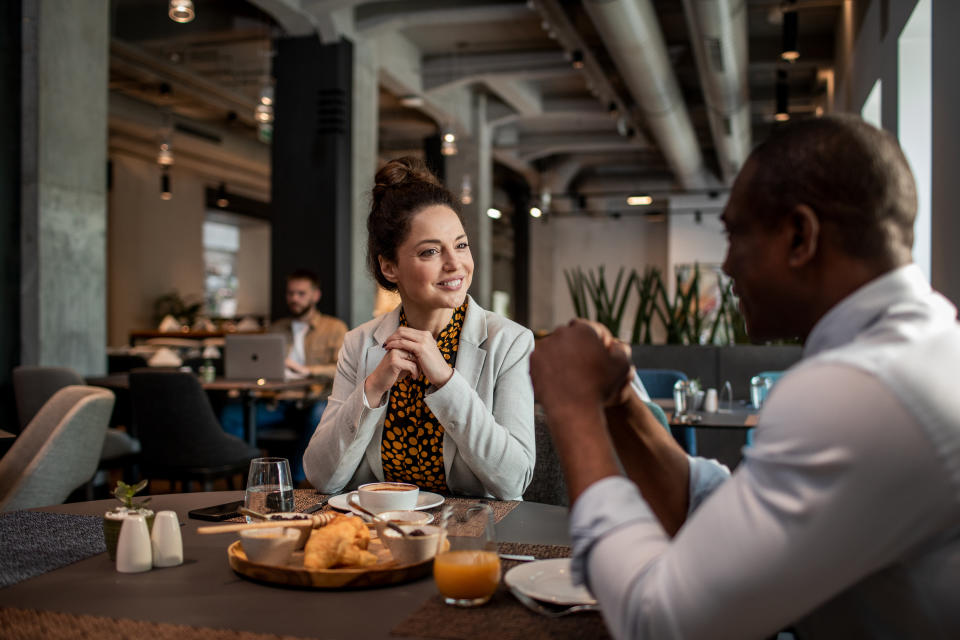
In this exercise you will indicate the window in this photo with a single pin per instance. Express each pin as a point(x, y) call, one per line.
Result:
point(221, 242)
point(914, 112)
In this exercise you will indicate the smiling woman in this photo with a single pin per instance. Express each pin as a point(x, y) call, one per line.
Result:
point(436, 392)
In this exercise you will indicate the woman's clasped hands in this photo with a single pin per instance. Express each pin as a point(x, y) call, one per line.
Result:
point(410, 352)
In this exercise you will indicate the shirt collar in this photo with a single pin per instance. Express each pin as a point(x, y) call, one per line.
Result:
point(865, 306)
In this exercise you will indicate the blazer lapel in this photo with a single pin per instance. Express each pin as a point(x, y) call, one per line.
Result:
point(374, 354)
point(471, 354)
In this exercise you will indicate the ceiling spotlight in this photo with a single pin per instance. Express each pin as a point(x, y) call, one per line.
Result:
point(639, 201)
point(535, 212)
point(411, 100)
point(495, 214)
point(788, 49)
point(448, 144)
point(266, 95)
point(782, 113)
point(576, 59)
point(222, 200)
point(165, 154)
point(165, 192)
point(181, 10)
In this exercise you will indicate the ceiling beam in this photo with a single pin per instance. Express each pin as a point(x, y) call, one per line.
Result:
point(383, 16)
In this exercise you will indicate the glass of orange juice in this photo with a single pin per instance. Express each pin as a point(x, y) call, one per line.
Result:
point(467, 567)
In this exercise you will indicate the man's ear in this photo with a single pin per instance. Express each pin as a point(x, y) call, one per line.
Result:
point(388, 268)
point(805, 235)
point(317, 294)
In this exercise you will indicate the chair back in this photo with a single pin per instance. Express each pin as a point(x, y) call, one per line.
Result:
point(548, 485)
point(659, 382)
point(58, 451)
point(33, 386)
point(177, 426)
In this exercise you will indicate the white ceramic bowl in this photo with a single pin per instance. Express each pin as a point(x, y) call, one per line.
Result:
point(299, 517)
point(402, 517)
point(412, 549)
point(269, 546)
point(388, 496)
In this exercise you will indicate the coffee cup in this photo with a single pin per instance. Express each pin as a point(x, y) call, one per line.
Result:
point(388, 496)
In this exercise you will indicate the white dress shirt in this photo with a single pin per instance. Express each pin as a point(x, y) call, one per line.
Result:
point(843, 519)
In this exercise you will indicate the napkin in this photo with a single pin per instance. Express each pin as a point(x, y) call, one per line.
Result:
point(165, 357)
point(169, 324)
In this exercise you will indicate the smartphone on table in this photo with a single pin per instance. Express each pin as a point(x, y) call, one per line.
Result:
point(218, 511)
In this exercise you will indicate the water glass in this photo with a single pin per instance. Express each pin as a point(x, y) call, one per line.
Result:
point(269, 486)
point(466, 568)
point(759, 385)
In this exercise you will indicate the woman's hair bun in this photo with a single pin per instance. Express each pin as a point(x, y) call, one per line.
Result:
point(403, 171)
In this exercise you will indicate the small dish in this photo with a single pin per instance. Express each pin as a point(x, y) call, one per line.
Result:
point(548, 581)
point(414, 548)
point(291, 515)
point(426, 500)
point(269, 546)
point(414, 518)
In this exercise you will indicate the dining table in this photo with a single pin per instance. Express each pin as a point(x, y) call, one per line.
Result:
point(738, 416)
point(248, 391)
point(205, 598)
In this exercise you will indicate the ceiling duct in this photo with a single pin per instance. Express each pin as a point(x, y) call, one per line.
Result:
point(631, 34)
point(718, 32)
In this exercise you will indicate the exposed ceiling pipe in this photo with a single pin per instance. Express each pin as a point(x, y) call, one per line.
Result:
point(718, 32)
point(631, 33)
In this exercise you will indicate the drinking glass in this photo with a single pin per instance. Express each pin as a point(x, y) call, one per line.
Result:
point(466, 568)
point(269, 486)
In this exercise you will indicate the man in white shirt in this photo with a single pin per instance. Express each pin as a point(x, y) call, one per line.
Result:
point(843, 520)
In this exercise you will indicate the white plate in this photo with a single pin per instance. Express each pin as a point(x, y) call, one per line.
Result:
point(426, 500)
point(549, 581)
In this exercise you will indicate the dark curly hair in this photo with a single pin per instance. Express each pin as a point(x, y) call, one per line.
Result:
point(402, 189)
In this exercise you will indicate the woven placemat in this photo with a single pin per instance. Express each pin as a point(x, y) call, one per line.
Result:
point(302, 498)
point(503, 618)
point(30, 624)
point(36, 542)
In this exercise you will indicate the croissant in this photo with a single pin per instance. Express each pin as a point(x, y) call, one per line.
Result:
point(342, 542)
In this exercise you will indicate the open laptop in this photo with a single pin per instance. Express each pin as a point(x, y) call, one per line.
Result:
point(250, 357)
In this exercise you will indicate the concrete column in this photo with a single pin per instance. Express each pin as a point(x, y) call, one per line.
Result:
point(63, 183)
point(474, 158)
point(365, 113)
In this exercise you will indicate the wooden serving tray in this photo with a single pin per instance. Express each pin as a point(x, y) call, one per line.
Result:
point(385, 572)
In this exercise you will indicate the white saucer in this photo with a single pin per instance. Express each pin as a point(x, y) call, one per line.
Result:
point(426, 500)
point(549, 581)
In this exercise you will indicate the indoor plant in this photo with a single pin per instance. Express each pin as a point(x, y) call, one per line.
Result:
point(113, 520)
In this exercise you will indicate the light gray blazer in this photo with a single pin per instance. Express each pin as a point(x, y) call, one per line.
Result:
point(486, 409)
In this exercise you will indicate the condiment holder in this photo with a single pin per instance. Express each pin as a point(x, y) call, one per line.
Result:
point(167, 543)
point(134, 554)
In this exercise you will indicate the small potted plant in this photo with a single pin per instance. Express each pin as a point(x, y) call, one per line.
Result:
point(113, 520)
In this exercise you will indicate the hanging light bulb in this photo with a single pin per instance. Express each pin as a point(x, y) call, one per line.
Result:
point(165, 154)
point(165, 192)
point(222, 200)
point(788, 49)
point(535, 212)
point(466, 192)
point(448, 144)
point(576, 59)
point(181, 10)
point(544, 200)
point(782, 94)
point(494, 213)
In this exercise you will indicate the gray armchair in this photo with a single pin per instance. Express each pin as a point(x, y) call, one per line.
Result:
point(58, 451)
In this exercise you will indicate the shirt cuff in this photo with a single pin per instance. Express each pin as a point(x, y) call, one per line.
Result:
point(705, 476)
point(606, 505)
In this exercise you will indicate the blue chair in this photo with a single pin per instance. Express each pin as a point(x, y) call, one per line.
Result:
point(659, 384)
point(773, 377)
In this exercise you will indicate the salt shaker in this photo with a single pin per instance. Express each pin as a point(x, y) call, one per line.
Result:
point(133, 547)
point(681, 390)
point(166, 541)
point(710, 402)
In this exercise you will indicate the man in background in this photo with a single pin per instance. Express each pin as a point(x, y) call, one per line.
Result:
point(843, 519)
point(313, 343)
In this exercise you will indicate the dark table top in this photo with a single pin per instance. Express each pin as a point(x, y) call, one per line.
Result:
point(122, 381)
point(739, 417)
point(205, 592)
